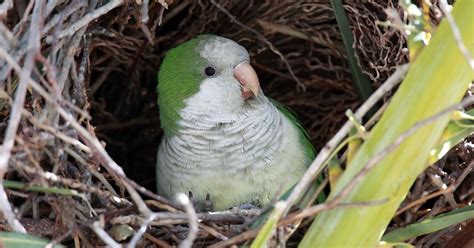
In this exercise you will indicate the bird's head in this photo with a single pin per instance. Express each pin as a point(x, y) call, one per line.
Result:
point(210, 73)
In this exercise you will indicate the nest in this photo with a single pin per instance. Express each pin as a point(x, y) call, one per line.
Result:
point(94, 67)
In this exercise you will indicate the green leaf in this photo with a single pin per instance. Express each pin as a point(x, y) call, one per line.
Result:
point(37, 188)
point(437, 79)
point(384, 244)
point(430, 225)
point(452, 135)
point(361, 82)
point(269, 228)
point(20, 240)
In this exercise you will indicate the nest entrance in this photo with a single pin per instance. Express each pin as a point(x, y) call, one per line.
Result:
point(124, 64)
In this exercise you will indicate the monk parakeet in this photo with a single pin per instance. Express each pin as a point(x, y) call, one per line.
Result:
point(224, 140)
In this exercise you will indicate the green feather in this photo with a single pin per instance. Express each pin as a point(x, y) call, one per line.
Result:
point(179, 77)
point(311, 153)
point(305, 139)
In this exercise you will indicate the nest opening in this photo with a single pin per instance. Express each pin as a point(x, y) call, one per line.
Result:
point(124, 65)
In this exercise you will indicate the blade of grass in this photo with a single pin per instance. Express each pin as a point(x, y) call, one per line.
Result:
point(430, 225)
point(36, 188)
point(20, 240)
point(361, 82)
point(270, 225)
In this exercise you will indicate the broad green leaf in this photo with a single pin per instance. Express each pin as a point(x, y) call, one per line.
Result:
point(437, 79)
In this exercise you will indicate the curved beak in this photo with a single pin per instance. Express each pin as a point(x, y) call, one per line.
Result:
point(248, 78)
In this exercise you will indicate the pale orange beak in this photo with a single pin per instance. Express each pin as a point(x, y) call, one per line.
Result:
point(248, 78)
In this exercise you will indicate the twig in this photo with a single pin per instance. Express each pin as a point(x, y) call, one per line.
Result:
point(150, 194)
point(331, 204)
point(78, 91)
point(173, 12)
point(10, 39)
point(307, 212)
point(441, 185)
point(269, 44)
point(190, 215)
point(103, 235)
point(37, 87)
point(163, 3)
point(71, 183)
point(57, 133)
point(89, 18)
point(236, 239)
point(100, 151)
point(144, 12)
point(449, 189)
point(136, 237)
point(456, 33)
point(4, 7)
point(144, 20)
point(105, 158)
point(286, 30)
point(15, 115)
point(464, 174)
point(424, 199)
point(323, 156)
point(213, 232)
point(215, 217)
point(158, 242)
point(54, 242)
point(192, 220)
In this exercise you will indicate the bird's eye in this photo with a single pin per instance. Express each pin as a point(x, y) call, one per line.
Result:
point(210, 71)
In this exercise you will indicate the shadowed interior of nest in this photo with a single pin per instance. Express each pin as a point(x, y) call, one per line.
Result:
point(124, 64)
